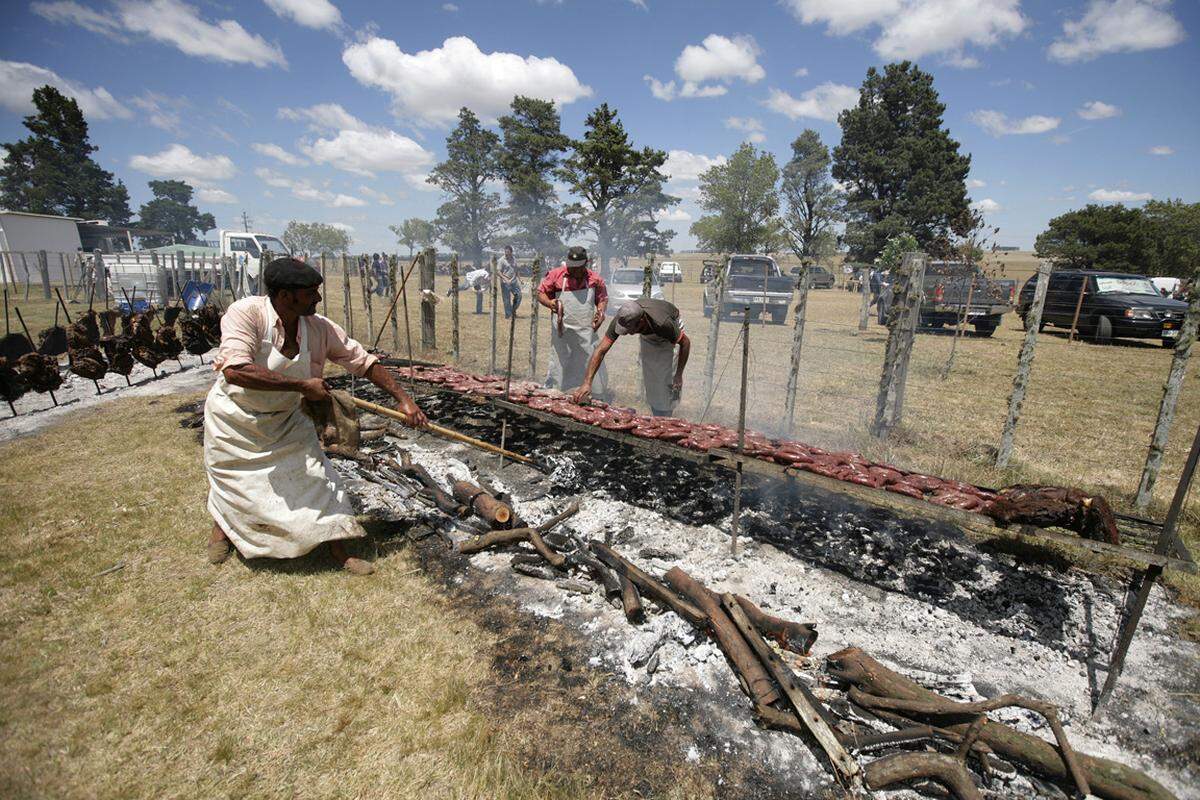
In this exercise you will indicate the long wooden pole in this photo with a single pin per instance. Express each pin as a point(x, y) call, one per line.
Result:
point(392, 309)
point(407, 328)
point(512, 334)
point(741, 447)
point(793, 382)
point(1078, 305)
point(534, 305)
point(455, 351)
point(447, 433)
point(864, 310)
point(494, 287)
point(714, 330)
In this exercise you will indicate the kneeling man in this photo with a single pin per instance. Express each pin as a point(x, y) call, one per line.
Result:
point(272, 492)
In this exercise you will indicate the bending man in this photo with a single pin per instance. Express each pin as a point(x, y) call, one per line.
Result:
point(661, 329)
point(578, 297)
point(272, 492)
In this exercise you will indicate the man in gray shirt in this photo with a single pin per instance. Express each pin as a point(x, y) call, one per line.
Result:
point(660, 329)
point(510, 283)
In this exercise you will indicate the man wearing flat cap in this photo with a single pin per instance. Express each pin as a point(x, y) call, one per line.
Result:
point(272, 492)
point(577, 297)
point(657, 324)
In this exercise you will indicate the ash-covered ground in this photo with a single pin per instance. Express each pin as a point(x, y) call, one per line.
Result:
point(919, 597)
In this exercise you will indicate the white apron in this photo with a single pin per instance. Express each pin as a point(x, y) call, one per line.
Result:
point(271, 488)
point(570, 352)
point(658, 372)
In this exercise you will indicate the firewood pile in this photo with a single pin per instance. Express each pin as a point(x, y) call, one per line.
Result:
point(871, 726)
point(1072, 509)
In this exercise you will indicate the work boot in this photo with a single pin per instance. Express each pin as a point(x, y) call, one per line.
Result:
point(219, 547)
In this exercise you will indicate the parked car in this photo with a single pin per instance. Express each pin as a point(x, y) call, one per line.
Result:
point(626, 284)
point(819, 277)
point(949, 284)
point(670, 272)
point(1114, 304)
point(753, 285)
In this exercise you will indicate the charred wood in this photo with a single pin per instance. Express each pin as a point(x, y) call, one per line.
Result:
point(908, 767)
point(649, 585)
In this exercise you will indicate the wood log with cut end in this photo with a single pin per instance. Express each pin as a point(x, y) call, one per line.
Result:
point(649, 585)
point(483, 504)
point(1105, 778)
point(444, 502)
point(758, 684)
point(907, 767)
point(513, 536)
point(631, 602)
point(796, 637)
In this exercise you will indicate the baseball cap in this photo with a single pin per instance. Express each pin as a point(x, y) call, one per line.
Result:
point(577, 257)
point(629, 315)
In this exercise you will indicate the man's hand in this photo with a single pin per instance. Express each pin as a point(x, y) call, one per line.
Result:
point(416, 417)
point(582, 394)
point(597, 319)
point(314, 390)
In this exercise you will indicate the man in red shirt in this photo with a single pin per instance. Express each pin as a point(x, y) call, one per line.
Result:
point(578, 297)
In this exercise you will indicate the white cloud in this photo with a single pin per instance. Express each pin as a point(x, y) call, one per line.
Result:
point(673, 215)
point(1095, 109)
point(718, 58)
point(171, 22)
point(1118, 196)
point(910, 29)
point(179, 162)
point(309, 13)
point(801, 73)
point(974, 183)
point(432, 85)
point(368, 152)
point(1117, 26)
point(751, 126)
point(823, 102)
point(682, 165)
point(998, 124)
point(211, 194)
point(304, 190)
point(987, 205)
point(325, 117)
point(162, 111)
point(343, 226)
point(451, 7)
point(18, 80)
point(379, 197)
point(1162, 150)
point(278, 153)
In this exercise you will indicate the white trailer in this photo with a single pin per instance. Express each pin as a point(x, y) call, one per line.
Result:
point(23, 235)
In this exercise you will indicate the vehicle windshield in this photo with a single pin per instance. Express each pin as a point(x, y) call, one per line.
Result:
point(629, 276)
point(750, 266)
point(272, 244)
point(1130, 285)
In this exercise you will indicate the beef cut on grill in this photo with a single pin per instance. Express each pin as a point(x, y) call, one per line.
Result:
point(52, 341)
point(167, 341)
point(84, 331)
point(39, 372)
point(1088, 515)
point(195, 340)
point(88, 362)
point(12, 385)
point(119, 352)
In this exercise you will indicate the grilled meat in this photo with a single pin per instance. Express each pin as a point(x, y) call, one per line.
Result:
point(12, 385)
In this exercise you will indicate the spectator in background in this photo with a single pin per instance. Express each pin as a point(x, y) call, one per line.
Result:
point(379, 270)
point(479, 280)
point(510, 283)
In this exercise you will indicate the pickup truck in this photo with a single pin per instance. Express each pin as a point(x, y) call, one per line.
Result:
point(947, 286)
point(752, 282)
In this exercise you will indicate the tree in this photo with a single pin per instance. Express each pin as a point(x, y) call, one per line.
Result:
point(634, 223)
point(472, 215)
point(902, 170)
point(742, 193)
point(811, 202)
point(1110, 237)
point(172, 211)
point(315, 237)
point(52, 171)
point(414, 231)
point(1173, 228)
point(604, 169)
point(533, 140)
point(894, 249)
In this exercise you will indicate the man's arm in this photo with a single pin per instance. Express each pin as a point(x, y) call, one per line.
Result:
point(685, 349)
point(252, 376)
point(379, 376)
point(585, 390)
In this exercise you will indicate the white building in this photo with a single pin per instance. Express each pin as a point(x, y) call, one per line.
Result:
point(24, 233)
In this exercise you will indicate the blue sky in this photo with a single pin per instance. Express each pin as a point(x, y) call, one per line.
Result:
point(334, 111)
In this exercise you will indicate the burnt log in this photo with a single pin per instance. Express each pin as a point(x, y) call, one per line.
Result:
point(908, 767)
point(758, 684)
point(481, 503)
point(513, 536)
point(444, 502)
point(631, 602)
point(649, 585)
point(796, 637)
point(1106, 779)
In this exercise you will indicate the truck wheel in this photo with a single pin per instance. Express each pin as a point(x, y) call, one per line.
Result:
point(1102, 330)
point(779, 315)
point(1169, 343)
point(985, 328)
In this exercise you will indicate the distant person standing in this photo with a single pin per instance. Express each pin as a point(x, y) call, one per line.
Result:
point(379, 270)
point(510, 282)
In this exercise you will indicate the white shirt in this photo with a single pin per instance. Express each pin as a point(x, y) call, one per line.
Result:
point(477, 277)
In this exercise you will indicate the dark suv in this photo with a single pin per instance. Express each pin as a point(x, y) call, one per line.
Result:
point(1114, 304)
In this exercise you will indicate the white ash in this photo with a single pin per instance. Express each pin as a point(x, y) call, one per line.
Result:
point(915, 637)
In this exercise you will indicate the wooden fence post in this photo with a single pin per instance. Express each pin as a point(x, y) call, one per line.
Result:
point(917, 286)
point(714, 330)
point(534, 279)
point(648, 277)
point(365, 274)
point(160, 278)
point(864, 310)
point(454, 341)
point(494, 288)
point(393, 268)
point(63, 270)
point(428, 300)
point(99, 278)
point(1024, 361)
point(44, 270)
point(347, 311)
point(900, 327)
point(1166, 408)
point(793, 381)
point(735, 518)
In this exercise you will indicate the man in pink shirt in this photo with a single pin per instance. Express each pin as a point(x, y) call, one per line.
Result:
point(578, 297)
point(272, 491)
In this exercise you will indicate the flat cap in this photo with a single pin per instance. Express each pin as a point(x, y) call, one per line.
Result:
point(290, 273)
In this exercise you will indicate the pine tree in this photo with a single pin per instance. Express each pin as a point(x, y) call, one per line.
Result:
point(172, 211)
point(533, 140)
point(472, 215)
point(812, 203)
point(52, 171)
